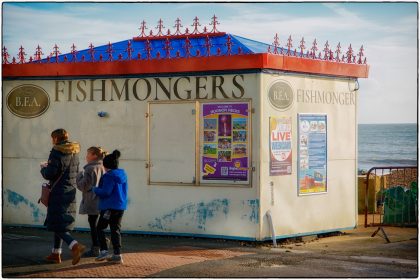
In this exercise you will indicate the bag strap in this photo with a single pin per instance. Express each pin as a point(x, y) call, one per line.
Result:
point(62, 173)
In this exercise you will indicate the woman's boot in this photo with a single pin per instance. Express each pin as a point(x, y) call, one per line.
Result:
point(55, 256)
point(77, 251)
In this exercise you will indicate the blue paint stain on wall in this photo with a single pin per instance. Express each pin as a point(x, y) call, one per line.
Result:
point(194, 213)
point(13, 198)
point(254, 207)
point(254, 204)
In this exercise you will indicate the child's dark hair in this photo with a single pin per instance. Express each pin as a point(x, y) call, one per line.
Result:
point(61, 134)
point(97, 151)
point(111, 160)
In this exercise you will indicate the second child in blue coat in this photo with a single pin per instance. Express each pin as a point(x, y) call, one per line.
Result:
point(112, 193)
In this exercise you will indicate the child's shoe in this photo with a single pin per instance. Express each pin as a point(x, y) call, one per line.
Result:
point(77, 251)
point(93, 252)
point(54, 258)
point(103, 255)
point(115, 259)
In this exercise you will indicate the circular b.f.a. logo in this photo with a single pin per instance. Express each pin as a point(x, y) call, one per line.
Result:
point(280, 95)
point(28, 101)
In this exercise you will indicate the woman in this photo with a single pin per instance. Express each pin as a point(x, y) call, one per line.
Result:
point(85, 180)
point(61, 170)
point(112, 192)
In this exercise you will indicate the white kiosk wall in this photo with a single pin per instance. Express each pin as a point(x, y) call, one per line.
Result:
point(225, 210)
point(297, 209)
point(158, 125)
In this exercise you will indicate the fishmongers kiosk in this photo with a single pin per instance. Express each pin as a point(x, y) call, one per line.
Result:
point(221, 136)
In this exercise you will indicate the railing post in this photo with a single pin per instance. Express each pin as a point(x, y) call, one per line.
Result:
point(367, 195)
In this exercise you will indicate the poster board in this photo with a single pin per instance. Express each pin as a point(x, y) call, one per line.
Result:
point(225, 142)
point(280, 146)
point(312, 153)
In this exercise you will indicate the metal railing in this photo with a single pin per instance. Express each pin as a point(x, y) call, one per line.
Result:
point(394, 199)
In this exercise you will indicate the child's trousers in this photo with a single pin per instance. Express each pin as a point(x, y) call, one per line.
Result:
point(113, 219)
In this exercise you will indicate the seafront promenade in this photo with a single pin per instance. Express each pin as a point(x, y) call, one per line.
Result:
point(352, 253)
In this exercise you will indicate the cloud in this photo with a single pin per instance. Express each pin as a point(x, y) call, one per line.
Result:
point(65, 28)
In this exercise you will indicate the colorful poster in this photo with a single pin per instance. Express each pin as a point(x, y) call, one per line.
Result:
point(280, 146)
point(225, 141)
point(312, 153)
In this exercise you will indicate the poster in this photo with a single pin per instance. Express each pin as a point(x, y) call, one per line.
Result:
point(225, 141)
point(312, 153)
point(280, 146)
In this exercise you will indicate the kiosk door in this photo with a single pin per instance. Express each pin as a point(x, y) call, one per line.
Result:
point(172, 143)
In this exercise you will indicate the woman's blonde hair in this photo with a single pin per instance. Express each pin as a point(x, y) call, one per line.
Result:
point(97, 151)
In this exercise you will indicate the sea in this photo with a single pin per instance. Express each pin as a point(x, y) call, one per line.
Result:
point(383, 145)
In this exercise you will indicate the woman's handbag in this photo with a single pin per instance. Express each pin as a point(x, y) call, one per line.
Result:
point(46, 189)
point(45, 194)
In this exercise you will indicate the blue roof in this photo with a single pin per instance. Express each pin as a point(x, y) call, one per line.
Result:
point(239, 45)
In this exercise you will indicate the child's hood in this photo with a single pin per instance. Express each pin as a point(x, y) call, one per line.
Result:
point(118, 175)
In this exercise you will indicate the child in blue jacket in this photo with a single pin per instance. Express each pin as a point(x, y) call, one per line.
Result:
point(112, 193)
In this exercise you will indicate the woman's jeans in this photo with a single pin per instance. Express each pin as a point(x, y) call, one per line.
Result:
point(60, 236)
point(113, 219)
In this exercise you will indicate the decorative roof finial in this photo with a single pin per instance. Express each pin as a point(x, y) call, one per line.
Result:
point(159, 27)
point(56, 52)
point(349, 54)
point(276, 44)
point(214, 23)
point(196, 24)
point(360, 55)
point(109, 51)
point(167, 48)
point(178, 26)
point(143, 29)
point(129, 50)
point(338, 52)
point(38, 53)
point(326, 51)
point(148, 49)
point(187, 47)
point(302, 46)
point(91, 51)
point(5, 56)
point(289, 44)
point(229, 45)
point(21, 55)
point(314, 49)
point(208, 45)
point(73, 53)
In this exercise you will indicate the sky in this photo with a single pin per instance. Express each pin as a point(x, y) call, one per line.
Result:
point(387, 31)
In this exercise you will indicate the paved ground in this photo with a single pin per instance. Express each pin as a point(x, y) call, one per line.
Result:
point(350, 254)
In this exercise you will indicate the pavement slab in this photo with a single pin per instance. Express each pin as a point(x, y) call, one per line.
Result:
point(140, 264)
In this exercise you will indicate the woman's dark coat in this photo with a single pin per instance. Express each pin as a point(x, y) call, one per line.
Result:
point(61, 211)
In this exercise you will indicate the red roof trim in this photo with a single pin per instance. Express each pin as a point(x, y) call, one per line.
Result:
point(179, 65)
